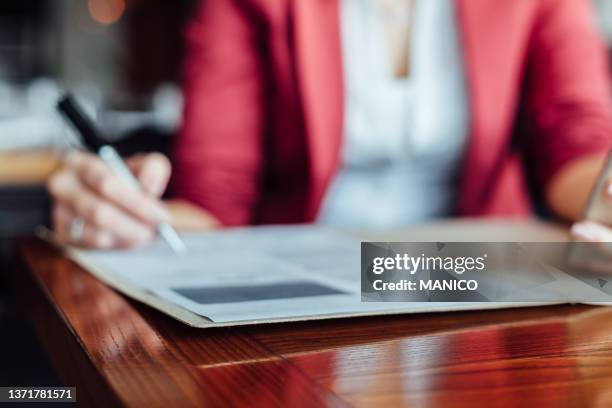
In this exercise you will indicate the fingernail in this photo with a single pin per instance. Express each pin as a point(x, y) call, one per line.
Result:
point(583, 231)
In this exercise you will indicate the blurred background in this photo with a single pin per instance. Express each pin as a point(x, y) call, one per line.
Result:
point(122, 59)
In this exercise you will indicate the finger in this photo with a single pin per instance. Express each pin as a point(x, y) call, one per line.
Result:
point(592, 231)
point(152, 171)
point(93, 237)
point(67, 189)
point(608, 190)
point(100, 179)
point(61, 217)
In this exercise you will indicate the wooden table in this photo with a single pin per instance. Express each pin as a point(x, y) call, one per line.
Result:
point(27, 167)
point(119, 352)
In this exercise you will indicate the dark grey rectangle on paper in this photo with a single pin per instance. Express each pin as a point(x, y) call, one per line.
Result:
point(249, 293)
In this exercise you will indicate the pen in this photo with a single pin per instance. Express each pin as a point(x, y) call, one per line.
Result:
point(93, 142)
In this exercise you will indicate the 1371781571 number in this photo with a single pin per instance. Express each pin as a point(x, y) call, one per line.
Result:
point(37, 393)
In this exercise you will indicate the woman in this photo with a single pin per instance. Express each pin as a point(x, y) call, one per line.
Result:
point(367, 113)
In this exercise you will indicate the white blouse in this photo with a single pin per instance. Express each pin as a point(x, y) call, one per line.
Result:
point(403, 138)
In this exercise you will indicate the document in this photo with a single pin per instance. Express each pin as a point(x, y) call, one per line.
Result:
point(252, 275)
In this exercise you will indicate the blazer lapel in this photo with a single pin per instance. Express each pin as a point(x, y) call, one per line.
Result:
point(318, 53)
point(488, 61)
point(468, 36)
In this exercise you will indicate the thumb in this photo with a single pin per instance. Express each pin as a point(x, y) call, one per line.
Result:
point(592, 231)
point(152, 171)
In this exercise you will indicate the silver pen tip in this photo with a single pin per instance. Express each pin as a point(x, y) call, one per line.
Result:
point(172, 238)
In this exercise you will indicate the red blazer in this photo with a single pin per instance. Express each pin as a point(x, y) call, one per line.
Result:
point(264, 104)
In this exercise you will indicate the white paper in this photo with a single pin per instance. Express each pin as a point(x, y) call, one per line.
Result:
point(252, 258)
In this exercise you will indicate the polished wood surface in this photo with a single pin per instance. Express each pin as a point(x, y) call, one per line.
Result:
point(119, 352)
point(27, 167)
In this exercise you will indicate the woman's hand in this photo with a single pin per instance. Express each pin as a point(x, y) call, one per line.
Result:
point(93, 207)
point(569, 192)
point(592, 231)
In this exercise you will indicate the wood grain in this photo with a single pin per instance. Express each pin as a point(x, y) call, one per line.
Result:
point(118, 352)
